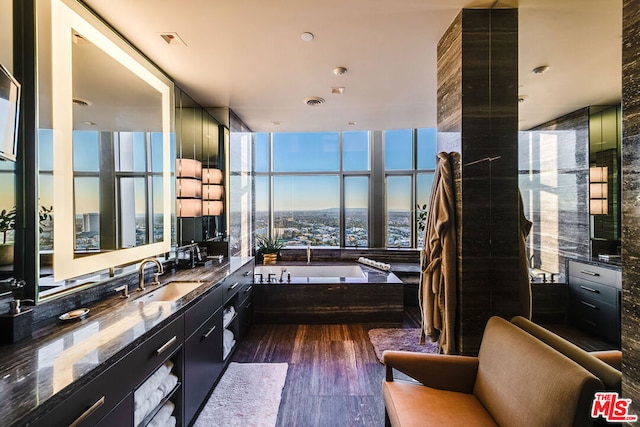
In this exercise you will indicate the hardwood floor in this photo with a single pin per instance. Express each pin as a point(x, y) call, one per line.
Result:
point(334, 377)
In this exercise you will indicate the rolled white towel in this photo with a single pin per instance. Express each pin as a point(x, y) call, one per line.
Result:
point(227, 348)
point(171, 422)
point(143, 392)
point(227, 315)
point(168, 384)
point(227, 336)
point(163, 415)
point(141, 412)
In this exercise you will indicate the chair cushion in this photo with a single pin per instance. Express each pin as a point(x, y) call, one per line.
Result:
point(413, 404)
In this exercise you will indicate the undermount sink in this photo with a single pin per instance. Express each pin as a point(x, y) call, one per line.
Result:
point(170, 292)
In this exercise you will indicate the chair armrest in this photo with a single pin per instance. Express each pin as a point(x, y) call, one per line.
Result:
point(610, 357)
point(441, 371)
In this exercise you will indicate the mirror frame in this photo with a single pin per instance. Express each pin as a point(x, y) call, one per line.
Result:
point(64, 21)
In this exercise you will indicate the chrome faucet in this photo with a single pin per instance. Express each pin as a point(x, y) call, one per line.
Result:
point(308, 254)
point(159, 271)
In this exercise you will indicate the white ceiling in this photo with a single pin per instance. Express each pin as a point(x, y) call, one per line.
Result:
point(248, 55)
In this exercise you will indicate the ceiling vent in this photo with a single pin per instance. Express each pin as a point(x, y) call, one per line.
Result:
point(314, 101)
point(81, 102)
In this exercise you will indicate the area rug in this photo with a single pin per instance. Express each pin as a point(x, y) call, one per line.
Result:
point(399, 339)
point(248, 394)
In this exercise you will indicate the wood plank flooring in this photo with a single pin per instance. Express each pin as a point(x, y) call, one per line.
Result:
point(334, 377)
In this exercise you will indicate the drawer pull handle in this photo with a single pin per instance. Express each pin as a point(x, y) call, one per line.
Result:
point(166, 345)
point(247, 306)
point(589, 305)
point(586, 288)
point(589, 322)
point(205, 336)
point(590, 273)
point(86, 414)
point(248, 289)
point(232, 287)
point(247, 273)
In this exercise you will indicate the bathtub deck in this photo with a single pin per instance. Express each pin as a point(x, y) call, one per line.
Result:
point(328, 303)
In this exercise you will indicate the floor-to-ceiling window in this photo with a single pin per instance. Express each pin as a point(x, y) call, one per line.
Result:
point(315, 188)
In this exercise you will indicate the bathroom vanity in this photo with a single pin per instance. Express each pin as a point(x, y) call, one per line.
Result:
point(595, 292)
point(96, 371)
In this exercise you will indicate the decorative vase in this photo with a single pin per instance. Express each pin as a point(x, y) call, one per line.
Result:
point(6, 254)
point(269, 259)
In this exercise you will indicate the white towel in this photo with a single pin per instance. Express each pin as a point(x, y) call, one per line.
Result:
point(227, 315)
point(171, 422)
point(168, 384)
point(143, 392)
point(161, 418)
point(227, 348)
point(155, 398)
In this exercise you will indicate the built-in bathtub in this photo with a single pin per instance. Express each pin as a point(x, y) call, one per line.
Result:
point(327, 293)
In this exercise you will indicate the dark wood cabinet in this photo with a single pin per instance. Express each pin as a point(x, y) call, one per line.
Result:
point(594, 298)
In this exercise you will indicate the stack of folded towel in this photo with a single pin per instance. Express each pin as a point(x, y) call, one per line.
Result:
point(227, 315)
point(164, 417)
point(228, 341)
point(153, 390)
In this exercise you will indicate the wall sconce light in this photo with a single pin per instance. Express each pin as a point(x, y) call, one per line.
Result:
point(212, 192)
point(598, 190)
point(188, 188)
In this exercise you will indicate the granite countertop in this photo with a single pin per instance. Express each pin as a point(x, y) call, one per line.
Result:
point(51, 365)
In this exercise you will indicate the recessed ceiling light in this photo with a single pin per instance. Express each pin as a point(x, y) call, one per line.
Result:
point(340, 71)
point(276, 122)
point(88, 123)
point(541, 69)
point(353, 123)
point(306, 36)
point(521, 98)
point(337, 89)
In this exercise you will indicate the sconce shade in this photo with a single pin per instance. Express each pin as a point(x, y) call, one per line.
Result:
point(211, 176)
point(212, 207)
point(189, 208)
point(212, 192)
point(598, 174)
point(188, 187)
point(598, 207)
point(188, 168)
point(598, 190)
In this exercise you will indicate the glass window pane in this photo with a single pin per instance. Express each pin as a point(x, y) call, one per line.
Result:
point(355, 151)
point(45, 189)
point(307, 209)
point(157, 205)
point(306, 152)
point(87, 207)
point(45, 149)
point(130, 152)
point(262, 152)
point(133, 212)
point(86, 152)
point(398, 149)
point(262, 205)
point(424, 181)
point(427, 148)
point(399, 211)
point(356, 211)
point(156, 152)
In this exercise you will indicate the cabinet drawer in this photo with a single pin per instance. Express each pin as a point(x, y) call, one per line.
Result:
point(594, 273)
point(587, 289)
point(93, 401)
point(597, 317)
point(156, 350)
point(245, 293)
point(202, 310)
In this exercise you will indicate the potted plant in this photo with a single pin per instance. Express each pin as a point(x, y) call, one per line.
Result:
point(269, 248)
point(7, 223)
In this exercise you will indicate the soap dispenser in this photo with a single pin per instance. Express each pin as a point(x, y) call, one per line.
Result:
point(18, 323)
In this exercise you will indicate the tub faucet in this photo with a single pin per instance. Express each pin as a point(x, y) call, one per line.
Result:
point(282, 270)
point(159, 271)
point(308, 254)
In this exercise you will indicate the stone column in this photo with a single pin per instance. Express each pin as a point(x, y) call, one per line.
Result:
point(478, 118)
point(630, 204)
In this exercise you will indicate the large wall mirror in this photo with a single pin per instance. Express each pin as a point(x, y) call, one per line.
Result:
point(110, 175)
